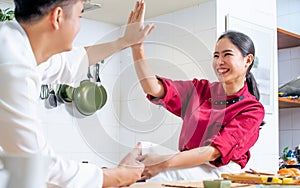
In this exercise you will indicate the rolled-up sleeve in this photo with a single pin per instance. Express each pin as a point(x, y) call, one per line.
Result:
point(176, 96)
point(238, 136)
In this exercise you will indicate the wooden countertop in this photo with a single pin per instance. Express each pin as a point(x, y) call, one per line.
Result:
point(180, 184)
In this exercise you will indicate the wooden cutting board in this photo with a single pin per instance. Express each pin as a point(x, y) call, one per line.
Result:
point(200, 185)
point(182, 185)
point(260, 179)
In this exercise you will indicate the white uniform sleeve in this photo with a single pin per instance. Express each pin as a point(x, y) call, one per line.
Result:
point(65, 68)
point(21, 130)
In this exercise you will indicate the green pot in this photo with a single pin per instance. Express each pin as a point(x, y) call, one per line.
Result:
point(66, 93)
point(89, 97)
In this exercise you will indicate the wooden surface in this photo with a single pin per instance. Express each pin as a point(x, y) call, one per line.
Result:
point(286, 39)
point(181, 184)
point(288, 103)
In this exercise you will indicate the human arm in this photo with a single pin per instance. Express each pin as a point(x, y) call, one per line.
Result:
point(150, 84)
point(155, 164)
point(134, 34)
point(240, 133)
point(127, 172)
point(71, 67)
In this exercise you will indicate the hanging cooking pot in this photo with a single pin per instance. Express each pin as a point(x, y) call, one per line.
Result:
point(65, 93)
point(89, 97)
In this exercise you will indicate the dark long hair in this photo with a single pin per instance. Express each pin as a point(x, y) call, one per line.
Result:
point(246, 46)
point(27, 11)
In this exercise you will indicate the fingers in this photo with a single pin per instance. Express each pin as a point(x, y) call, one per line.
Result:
point(136, 151)
point(144, 178)
point(146, 174)
point(141, 158)
point(139, 11)
point(149, 28)
point(130, 17)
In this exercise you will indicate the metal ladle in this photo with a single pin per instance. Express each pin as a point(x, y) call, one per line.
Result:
point(44, 92)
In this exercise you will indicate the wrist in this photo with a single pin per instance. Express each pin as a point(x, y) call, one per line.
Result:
point(137, 47)
point(168, 162)
point(111, 177)
point(123, 42)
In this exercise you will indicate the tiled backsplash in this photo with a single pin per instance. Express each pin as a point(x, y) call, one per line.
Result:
point(288, 13)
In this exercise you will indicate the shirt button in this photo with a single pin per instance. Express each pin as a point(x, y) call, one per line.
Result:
point(236, 146)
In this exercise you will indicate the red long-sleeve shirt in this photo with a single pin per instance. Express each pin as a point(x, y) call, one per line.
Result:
point(231, 128)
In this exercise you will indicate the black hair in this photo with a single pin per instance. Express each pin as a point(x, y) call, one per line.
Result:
point(246, 46)
point(33, 10)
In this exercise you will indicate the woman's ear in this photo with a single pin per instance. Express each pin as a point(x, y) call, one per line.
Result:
point(249, 60)
point(56, 17)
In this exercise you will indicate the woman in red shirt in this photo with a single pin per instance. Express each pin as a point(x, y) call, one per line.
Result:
point(221, 120)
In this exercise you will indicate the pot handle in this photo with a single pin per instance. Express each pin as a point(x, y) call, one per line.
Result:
point(98, 81)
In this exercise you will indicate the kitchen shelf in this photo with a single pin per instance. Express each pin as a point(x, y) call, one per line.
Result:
point(286, 39)
point(288, 103)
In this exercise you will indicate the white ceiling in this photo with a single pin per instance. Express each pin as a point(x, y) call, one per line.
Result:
point(117, 11)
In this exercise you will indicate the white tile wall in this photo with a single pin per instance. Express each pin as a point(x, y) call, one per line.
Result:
point(92, 138)
point(289, 68)
point(176, 51)
point(288, 15)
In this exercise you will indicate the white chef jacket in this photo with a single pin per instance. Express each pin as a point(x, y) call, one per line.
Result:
point(20, 124)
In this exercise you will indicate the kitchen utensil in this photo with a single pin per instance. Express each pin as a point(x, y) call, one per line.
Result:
point(65, 93)
point(259, 179)
point(89, 75)
point(52, 97)
point(89, 97)
point(98, 82)
point(44, 92)
point(217, 183)
point(59, 99)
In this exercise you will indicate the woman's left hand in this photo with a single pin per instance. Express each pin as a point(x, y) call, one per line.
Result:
point(154, 164)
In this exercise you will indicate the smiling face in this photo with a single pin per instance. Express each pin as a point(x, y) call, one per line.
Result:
point(229, 64)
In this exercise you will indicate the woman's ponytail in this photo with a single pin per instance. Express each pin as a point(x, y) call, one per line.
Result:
point(252, 85)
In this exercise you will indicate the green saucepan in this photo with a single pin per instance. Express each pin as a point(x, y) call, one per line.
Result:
point(65, 93)
point(89, 97)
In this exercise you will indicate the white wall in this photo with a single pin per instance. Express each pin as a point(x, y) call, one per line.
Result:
point(89, 138)
point(263, 13)
point(288, 69)
point(288, 13)
point(179, 48)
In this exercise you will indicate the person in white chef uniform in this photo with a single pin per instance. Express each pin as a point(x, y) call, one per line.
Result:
point(42, 29)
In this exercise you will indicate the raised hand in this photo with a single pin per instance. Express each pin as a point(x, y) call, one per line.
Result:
point(135, 32)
